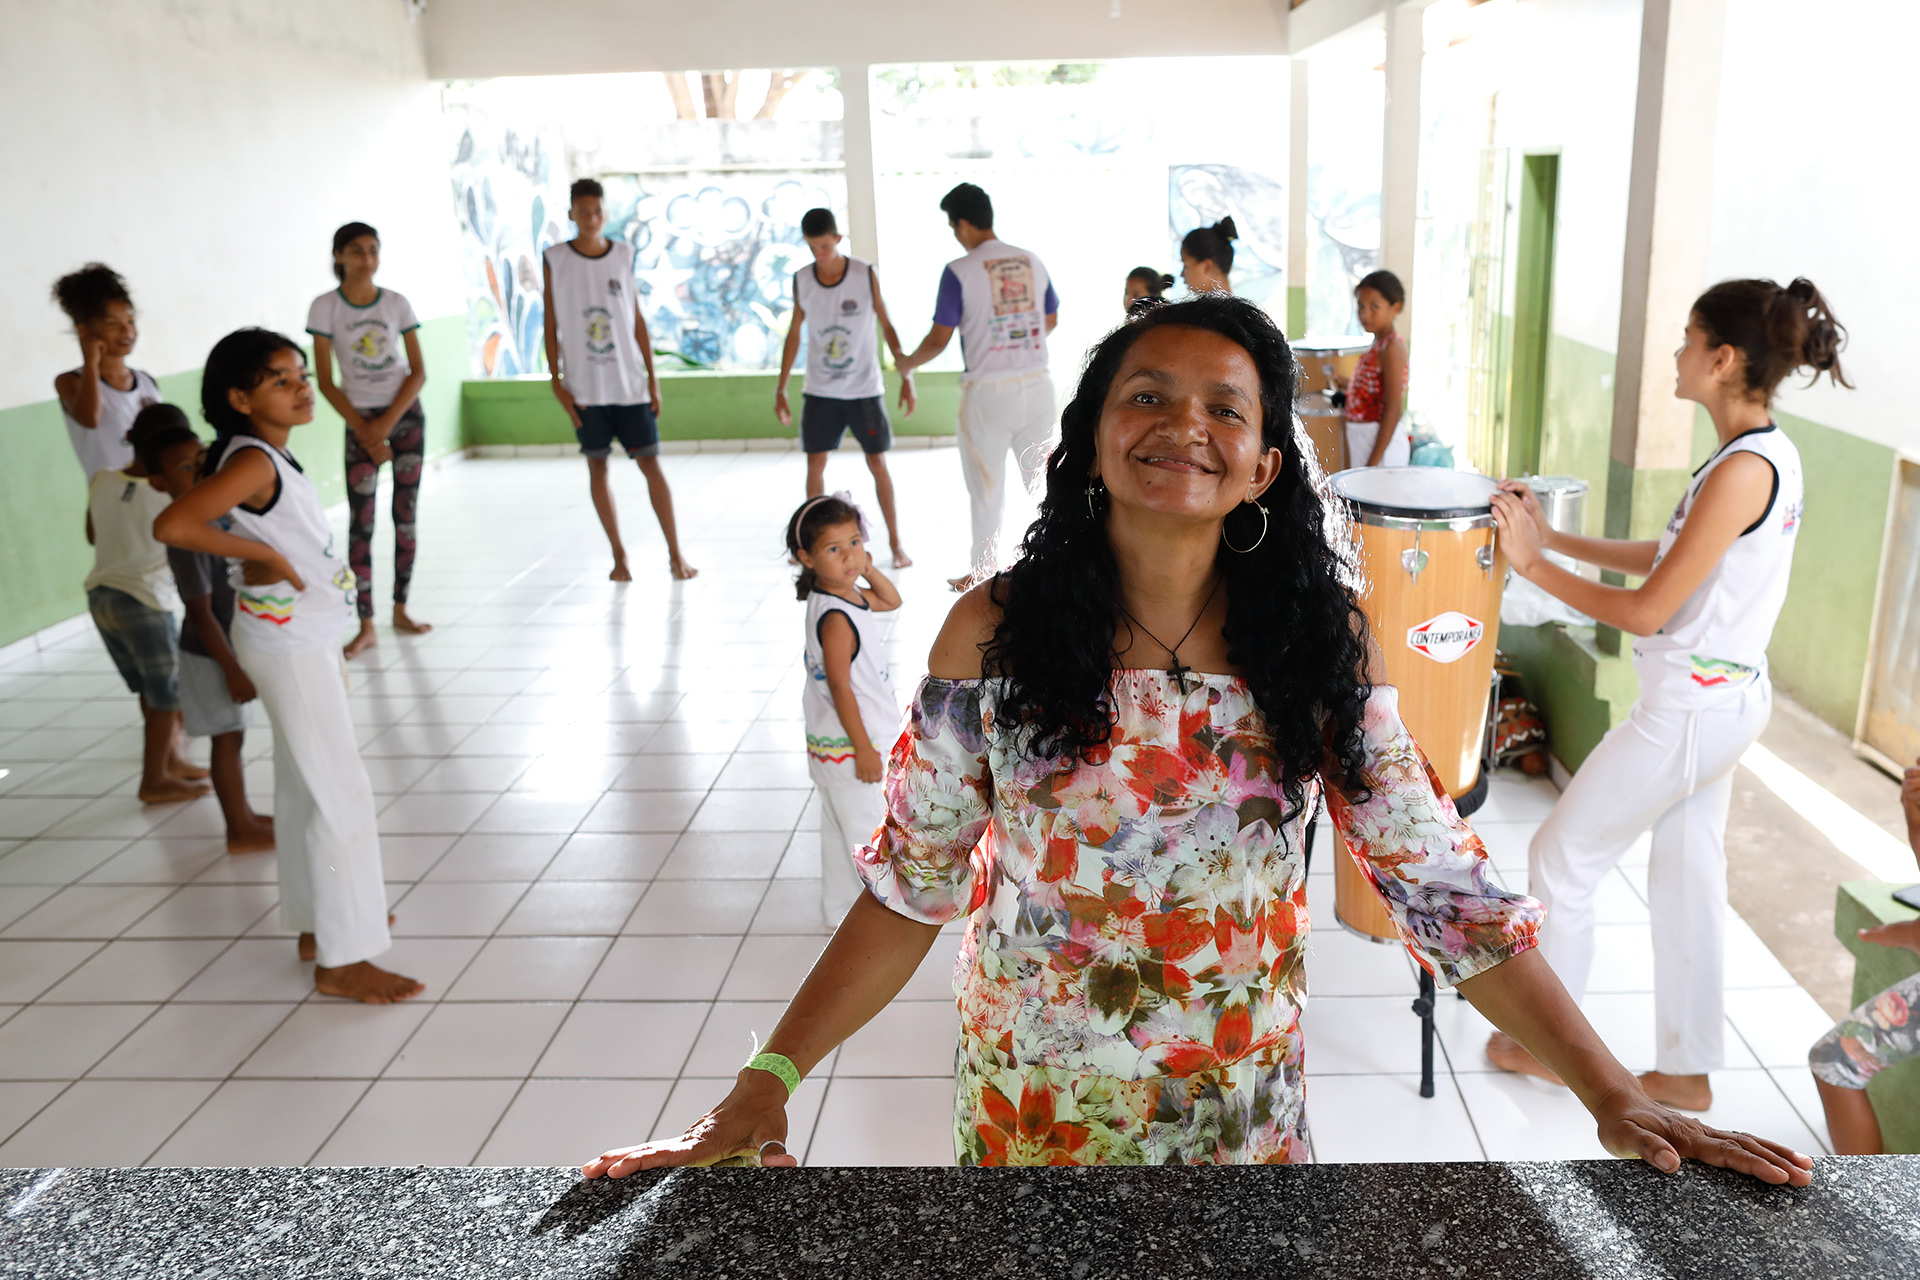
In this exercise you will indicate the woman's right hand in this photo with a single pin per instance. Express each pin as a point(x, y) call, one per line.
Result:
point(1532, 504)
point(748, 1118)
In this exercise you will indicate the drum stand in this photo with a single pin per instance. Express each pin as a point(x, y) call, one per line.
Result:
point(1427, 1000)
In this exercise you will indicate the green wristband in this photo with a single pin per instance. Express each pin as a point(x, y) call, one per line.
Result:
point(780, 1065)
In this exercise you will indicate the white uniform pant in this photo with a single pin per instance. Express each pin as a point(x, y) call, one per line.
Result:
point(1360, 438)
point(323, 810)
point(997, 414)
point(1672, 771)
point(850, 812)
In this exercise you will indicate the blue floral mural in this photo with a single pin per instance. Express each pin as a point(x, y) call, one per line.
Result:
point(511, 201)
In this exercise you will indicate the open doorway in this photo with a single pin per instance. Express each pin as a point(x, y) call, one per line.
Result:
point(1532, 312)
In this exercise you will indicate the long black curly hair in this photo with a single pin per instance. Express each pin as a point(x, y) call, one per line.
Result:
point(1294, 627)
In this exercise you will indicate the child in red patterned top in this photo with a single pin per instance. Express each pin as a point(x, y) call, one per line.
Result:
point(1377, 435)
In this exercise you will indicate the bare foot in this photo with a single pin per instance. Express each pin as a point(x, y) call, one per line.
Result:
point(362, 642)
point(308, 948)
point(1688, 1093)
point(178, 766)
point(254, 838)
point(366, 982)
point(403, 622)
point(172, 790)
point(1504, 1052)
point(901, 560)
point(682, 571)
point(620, 572)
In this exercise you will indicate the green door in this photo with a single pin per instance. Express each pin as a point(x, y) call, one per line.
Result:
point(1532, 313)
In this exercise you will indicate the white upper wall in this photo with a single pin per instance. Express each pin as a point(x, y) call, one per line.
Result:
point(206, 150)
point(1814, 177)
point(474, 39)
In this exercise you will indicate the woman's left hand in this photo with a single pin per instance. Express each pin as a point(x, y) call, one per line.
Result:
point(1520, 537)
point(1901, 933)
point(1635, 1126)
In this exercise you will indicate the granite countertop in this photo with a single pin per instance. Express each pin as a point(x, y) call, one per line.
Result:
point(1599, 1219)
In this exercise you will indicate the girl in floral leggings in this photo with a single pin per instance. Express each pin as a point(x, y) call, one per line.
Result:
point(373, 333)
point(1883, 1031)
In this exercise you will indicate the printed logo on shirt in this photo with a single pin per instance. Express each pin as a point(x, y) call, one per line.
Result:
point(599, 330)
point(849, 305)
point(1011, 280)
point(1791, 520)
point(836, 350)
point(372, 348)
point(1446, 637)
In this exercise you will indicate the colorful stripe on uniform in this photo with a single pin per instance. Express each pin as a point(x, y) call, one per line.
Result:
point(275, 609)
point(1718, 673)
point(829, 750)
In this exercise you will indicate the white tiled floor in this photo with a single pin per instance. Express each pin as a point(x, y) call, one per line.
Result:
point(599, 839)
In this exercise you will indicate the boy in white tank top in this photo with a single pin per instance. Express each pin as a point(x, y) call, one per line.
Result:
point(1714, 585)
point(836, 303)
point(601, 359)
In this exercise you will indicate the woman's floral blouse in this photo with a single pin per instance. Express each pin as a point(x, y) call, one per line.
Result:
point(1143, 915)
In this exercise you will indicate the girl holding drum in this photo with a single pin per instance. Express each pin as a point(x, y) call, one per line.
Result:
point(1142, 712)
point(1714, 584)
point(1377, 435)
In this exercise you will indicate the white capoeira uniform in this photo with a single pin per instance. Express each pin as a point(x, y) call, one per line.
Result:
point(850, 810)
point(1704, 698)
point(288, 642)
point(999, 298)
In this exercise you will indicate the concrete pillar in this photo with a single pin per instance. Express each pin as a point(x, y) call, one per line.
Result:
point(1664, 268)
point(863, 217)
point(1299, 232)
point(1400, 147)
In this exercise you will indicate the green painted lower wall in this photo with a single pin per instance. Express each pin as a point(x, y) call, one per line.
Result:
point(694, 406)
point(1296, 309)
point(1819, 650)
point(44, 556)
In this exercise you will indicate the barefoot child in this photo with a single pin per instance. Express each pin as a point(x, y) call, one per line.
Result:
point(290, 607)
point(601, 358)
point(130, 595)
point(836, 302)
point(850, 708)
point(101, 397)
point(214, 689)
point(374, 334)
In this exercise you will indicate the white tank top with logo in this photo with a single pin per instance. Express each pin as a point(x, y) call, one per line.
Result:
point(105, 447)
point(828, 745)
point(1715, 645)
point(274, 616)
point(594, 303)
point(843, 350)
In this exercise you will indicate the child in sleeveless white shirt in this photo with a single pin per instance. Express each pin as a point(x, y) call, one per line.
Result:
point(851, 712)
point(1714, 586)
point(293, 596)
point(101, 398)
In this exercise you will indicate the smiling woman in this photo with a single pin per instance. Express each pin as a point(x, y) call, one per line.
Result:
point(1122, 817)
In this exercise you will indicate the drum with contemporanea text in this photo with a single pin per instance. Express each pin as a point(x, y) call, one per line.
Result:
point(1433, 578)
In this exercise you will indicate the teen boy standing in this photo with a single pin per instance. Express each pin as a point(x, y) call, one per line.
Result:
point(1002, 301)
point(602, 362)
point(837, 303)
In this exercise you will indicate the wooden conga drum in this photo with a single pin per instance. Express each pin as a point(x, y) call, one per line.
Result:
point(1434, 576)
point(1325, 428)
point(1321, 356)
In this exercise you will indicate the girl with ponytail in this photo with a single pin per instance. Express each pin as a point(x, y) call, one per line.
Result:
point(1206, 257)
point(1714, 584)
point(1146, 289)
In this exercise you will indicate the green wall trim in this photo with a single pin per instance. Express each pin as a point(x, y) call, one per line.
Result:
point(44, 556)
point(1533, 313)
point(1577, 435)
point(1895, 1092)
point(696, 405)
point(1581, 690)
point(1297, 310)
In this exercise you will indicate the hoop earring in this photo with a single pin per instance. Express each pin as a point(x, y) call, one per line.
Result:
point(1094, 489)
point(1256, 542)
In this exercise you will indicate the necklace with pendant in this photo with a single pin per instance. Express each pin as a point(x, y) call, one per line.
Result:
point(1179, 670)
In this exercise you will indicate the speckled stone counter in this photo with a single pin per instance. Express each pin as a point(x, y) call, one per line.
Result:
point(1598, 1219)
